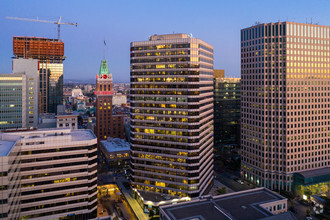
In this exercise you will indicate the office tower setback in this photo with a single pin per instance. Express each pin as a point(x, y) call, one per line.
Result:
point(54, 173)
point(104, 93)
point(227, 112)
point(50, 53)
point(172, 115)
point(19, 95)
point(284, 101)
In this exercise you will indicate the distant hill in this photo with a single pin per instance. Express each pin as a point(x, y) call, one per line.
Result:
point(84, 81)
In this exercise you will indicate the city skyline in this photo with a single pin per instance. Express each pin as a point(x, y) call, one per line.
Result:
point(119, 24)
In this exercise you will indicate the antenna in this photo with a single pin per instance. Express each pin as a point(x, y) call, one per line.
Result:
point(104, 46)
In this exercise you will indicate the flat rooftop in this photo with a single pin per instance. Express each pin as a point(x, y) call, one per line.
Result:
point(155, 197)
point(314, 173)
point(76, 135)
point(82, 135)
point(115, 145)
point(6, 144)
point(243, 205)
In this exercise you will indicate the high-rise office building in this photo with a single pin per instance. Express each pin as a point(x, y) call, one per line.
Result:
point(104, 93)
point(172, 115)
point(284, 101)
point(50, 53)
point(19, 95)
point(227, 112)
point(48, 174)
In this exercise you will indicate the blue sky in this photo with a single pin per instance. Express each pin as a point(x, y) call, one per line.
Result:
point(120, 22)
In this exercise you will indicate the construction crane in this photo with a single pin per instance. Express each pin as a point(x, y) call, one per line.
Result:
point(59, 23)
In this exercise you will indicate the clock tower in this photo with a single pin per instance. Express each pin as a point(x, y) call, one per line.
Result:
point(104, 94)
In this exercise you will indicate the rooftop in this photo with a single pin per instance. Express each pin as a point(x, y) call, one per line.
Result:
point(6, 144)
point(243, 205)
point(76, 135)
point(315, 173)
point(168, 36)
point(115, 144)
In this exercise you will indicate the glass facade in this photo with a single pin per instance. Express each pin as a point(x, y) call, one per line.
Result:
point(227, 113)
point(11, 108)
point(51, 86)
point(172, 115)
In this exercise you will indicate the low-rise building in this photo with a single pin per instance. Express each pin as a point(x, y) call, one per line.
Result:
point(10, 180)
point(119, 99)
point(56, 177)
point(312, 182)
point(114, 154)
point(259, 203)
point(67, 121)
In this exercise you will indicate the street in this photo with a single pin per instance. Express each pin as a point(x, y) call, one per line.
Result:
point(224, 178)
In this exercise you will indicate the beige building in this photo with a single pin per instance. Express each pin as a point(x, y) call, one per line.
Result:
point(67, 121)
point(10, 185)
point(284, 101)
point(172, 115)
point(58, 173)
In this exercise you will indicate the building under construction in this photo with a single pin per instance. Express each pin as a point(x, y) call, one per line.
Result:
point(50, 53)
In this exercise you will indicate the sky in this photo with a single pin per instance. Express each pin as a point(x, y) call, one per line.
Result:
point(119, 22)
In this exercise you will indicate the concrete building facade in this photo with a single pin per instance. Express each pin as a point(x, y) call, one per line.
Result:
point(50, 53)
point(284, 101)
point(58, 173)
point(10, 180)
point(104, 93)
point(172, 115)
point(19, 95)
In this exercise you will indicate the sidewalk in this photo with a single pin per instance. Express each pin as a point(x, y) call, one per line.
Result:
point(132, 202)
point(218, 185)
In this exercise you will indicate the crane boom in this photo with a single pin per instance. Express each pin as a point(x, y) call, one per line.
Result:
point(59, 23)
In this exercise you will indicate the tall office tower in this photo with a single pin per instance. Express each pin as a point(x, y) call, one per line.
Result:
point(19, 95)
point(172, 115)
point(50, 53)
point(57, 172)
point(104, 93)
point(284, 101)
point(227, 112)
point(29, 67)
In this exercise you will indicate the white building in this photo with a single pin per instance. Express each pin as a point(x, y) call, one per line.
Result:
point(67, 121)
point(119, 99)
point(58, 173)
point(76, 92)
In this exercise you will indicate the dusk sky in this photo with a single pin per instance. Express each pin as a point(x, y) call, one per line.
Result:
point(123, 21)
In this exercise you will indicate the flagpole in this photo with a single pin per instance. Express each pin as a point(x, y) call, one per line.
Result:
point(104, 50)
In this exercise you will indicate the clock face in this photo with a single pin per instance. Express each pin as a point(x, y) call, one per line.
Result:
point(105, 76)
